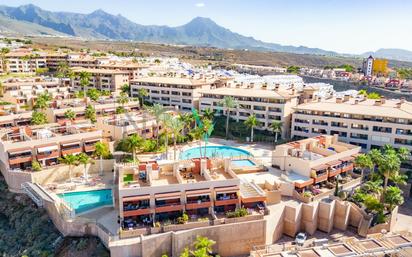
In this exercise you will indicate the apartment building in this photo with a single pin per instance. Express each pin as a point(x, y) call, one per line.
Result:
point(314, 160)
point(364, 122)
point(267, 105)
point(25, 91)
point(132, 68)
point(102, 79)
point(13, 118)
point(54, 59)
point(46, 143)
point(121, 126)
point(103, 107)
point(24, 61)
point(163, 190)
point(182, 92)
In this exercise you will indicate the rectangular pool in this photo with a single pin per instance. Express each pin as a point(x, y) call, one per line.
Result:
point(243, 163)
point(83, 201)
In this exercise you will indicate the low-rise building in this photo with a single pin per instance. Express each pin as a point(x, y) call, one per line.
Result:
point(311, 161)
point(20, 146)
point(158, 191)
point(24, 61)
point(182, 92)
point(267, 105)
point(101, 79)
point(369, 123)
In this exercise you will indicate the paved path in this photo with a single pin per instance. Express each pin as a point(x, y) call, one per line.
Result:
point(404, 221)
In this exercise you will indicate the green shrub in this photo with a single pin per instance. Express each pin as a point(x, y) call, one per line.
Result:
point(183, 219)
point(239, 212)
point(35, 165)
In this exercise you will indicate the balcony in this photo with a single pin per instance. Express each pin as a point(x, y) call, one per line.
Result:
point(226, 202)
point(198, 205)
point(20, 159)
point(347, 168)
point(48, 155)
point(72, 150)
point(169, 208)
point(138, 212)
point(89, 148)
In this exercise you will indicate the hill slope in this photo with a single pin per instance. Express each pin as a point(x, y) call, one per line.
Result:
point(392, 53)
point(102, 25)
point(8, 25)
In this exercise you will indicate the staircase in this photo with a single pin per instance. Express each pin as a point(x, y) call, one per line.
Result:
point(36, 193)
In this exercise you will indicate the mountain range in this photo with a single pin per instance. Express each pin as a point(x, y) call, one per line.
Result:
point(32, 20)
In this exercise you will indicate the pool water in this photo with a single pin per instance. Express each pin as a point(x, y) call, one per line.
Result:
point(214, 151)
point(87, 200)
point(243, 163)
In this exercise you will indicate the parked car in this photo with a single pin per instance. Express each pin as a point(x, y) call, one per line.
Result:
point(300, 239)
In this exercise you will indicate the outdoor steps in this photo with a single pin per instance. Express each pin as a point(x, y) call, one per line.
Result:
point(249, 190)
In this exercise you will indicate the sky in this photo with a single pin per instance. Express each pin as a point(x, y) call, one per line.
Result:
point(345, 26)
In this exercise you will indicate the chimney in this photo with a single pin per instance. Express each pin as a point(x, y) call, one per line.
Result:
point(402, 100)
point(339, 100)
point(356, 101)
point(378, 102)
point(398, 105)
point(383, 100)
point(346, 98)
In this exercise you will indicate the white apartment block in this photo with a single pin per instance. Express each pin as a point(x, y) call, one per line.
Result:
point(25, 91)
point(267, 105)
point(182, 92)
point(102, 79)
point(364, 122)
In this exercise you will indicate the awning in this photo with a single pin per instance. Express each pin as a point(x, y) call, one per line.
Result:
point(20, 150)
point(320, 167)
point(136, 198)
point(198, 192)
point(47, 148)
point(227, 189)
point(347, 159)
point(75, 142)
point(334, 163)
point(92, 139)
point(168, 196)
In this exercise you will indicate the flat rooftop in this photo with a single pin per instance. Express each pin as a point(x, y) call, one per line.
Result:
point(367, 107)
point(97, 70)
point(175, 81)
point(242, 92)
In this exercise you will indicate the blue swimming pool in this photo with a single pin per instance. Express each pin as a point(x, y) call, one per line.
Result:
point(87, 200)
point(243, 163)
point(214, 151)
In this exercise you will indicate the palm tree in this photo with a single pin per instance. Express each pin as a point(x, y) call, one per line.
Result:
point(157, 111)
point(204, 243)
point(142, 93)
point(364, 161)
point(84, 159)
point(133, 143)
point(208, 114)
point(123, 99)
point(375, 156)
point(101, 150)
point(84, 77)
point(1, 89)
point(403, 154)
point(176, 125)
point(388, 166)
point(70, 160)
point(93, 94)
point(393, 197)
point(70, 115)
point(42, 101)
point(187, 120)
point(206, 130)
point(90, 113)
point(251, 122)
point(228, 103)
point(276, 127)
point(38, 118)
point(166, 121)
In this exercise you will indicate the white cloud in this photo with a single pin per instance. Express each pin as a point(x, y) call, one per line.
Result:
point(200, 5)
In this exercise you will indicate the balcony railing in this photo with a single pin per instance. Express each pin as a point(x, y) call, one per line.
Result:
point(48, 155)
point(169, 208)
point(226, 202)
point(138, 212)
point(198, 205)
point(20, 159)
point(71, 150)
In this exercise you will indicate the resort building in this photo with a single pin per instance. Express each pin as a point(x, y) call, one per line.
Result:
point(182, 92)
point(45, 144)
point(11, 118)
point(101, 79)
point(24, 61)
point(120, 126)
point(24, 91)
point(104, 107)
point(314, 160)
point(132, 68)
point(267, 105)
point(368, 123)
point(157, 191)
